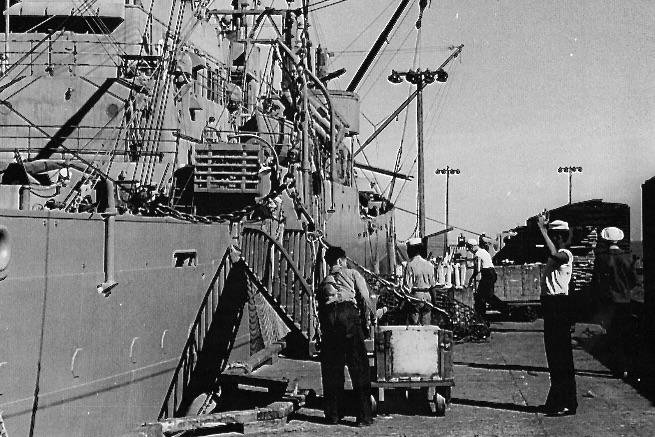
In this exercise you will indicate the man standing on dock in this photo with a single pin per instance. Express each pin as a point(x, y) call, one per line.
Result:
point(483, 265)
point(556, 309)
point(614, 277)
point(419, 279)
point(343, 337)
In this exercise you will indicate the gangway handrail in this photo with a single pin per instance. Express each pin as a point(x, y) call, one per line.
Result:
point(278, 275)
point(192, 341)
point(303, 282)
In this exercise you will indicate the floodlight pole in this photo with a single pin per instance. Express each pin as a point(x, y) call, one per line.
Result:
point(447, 171)
point(421, 78)
point(570, 170)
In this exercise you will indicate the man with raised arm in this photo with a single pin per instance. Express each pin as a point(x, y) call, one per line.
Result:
point(556, 309)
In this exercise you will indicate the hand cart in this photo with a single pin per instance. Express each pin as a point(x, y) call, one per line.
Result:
point(410, 358)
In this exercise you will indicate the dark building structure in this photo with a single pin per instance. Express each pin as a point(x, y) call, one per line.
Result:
point(648, 230)
point(586, 220)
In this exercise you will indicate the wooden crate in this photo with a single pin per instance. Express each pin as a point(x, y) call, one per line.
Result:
point(519, 284)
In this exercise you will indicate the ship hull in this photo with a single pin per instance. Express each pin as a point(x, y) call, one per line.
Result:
point(103, 364)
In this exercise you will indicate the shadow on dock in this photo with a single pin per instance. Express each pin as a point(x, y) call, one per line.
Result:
point(642, 375)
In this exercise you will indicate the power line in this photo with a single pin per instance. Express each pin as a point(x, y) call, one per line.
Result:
point(437, 221)
point(326, 6)
point(357, 38)
point(400, 50)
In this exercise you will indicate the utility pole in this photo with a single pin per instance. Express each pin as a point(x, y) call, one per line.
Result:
point(570, 170)
point(420, 78)
point(447, 171)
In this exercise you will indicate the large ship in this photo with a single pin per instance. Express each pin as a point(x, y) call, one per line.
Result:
point(143, 145)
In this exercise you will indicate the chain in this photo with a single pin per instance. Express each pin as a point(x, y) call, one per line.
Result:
point(400, 291)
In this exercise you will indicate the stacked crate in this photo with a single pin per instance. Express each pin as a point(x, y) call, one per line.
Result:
point(519, 284)
point(227, 168)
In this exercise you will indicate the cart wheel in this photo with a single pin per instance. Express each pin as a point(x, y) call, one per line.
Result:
point(374, 406)
point(446, 392)
point(439, 405)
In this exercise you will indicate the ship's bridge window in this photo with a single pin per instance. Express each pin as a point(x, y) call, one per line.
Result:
point(185, 258)
point(100, 17)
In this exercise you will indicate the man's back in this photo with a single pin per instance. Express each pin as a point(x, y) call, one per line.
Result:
point(419, 274)
point(344, 285)
point(614, 275)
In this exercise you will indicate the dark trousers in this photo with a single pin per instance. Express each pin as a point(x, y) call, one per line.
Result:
point(343, 343)
point(485, 293)
point(622, 335)
point(557, 340)
point(419, 313)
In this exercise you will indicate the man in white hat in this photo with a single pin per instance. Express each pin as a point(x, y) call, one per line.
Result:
point(419, 279)
point(556, 310)
point(483, 266)
point(613, 279)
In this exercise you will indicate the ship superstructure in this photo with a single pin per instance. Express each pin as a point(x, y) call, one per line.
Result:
point(139, 141)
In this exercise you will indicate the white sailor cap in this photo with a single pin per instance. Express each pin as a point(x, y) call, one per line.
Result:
point(612, 234)
point(558, 225)
point(472, 242)
point(414, 241)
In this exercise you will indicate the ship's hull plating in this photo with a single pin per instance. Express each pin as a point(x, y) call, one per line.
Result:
point(105, 362)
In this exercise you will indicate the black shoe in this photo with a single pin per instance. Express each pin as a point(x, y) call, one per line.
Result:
point(332, 420)
point(564, 411)
point(363, 423)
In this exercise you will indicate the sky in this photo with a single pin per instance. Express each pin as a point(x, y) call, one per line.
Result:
point(539, 85)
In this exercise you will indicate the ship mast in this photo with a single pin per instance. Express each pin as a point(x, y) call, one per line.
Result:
point(305, 166)
point(354, 83)
point(5, 61)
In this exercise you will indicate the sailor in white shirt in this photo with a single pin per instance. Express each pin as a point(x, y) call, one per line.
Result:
point(556, 310)
point(483, 265)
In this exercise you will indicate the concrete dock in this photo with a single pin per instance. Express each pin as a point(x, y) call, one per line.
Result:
point(499, 386)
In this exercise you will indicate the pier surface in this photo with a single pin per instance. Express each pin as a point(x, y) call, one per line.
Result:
point(499, 386)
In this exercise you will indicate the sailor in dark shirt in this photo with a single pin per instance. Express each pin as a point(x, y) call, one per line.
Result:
point(343, 337)
point(614, 277)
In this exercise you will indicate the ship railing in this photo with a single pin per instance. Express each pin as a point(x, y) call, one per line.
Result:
point(195, 341)
point(61, 52)
point(30, 139)
point(285, 271)
point(85, 52)
point(211, 134)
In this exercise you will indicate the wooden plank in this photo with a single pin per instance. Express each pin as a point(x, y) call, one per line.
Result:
point(304, 301)
point(149, 430)
point(259, 358)
point(264, 251)
point(233, 378)
point(276, 275)
point(379, 356)
point(255, 247)
point(276, 410)
point(264, 427)
point(273, 415)
point(284, 271)
point(297, 304)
